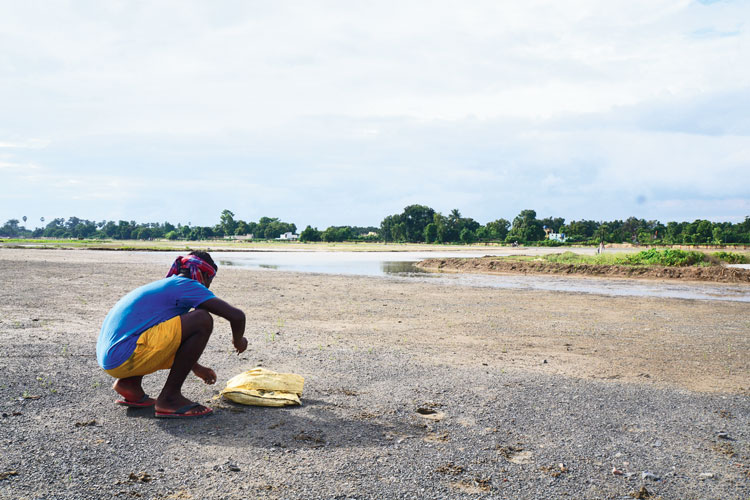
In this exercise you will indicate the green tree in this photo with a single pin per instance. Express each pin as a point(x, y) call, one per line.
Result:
point(467, 236)
point(310, 234)
point(242, 229)
point(441, 227)
point(601, 233)
point(228, 223)
point(497, 229)
point(703, 232)
point(337, 233)
point(430, 233)
point(415, 218)
point(10, 228)
point(526, 227)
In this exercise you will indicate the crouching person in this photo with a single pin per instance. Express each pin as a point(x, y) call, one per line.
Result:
point(165, 325)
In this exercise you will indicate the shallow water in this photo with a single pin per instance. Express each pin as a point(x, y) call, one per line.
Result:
point(353, 263)
point(604, 286)
point(401, 266)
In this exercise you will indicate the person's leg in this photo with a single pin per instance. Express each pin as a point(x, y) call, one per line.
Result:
point(132, 392)
point(196, 330)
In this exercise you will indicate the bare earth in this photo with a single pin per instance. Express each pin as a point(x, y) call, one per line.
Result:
point(530, 394)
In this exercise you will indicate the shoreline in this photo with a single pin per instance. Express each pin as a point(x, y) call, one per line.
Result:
point(491, 265)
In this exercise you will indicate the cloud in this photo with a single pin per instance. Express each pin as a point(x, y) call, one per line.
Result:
point(24, 144)
point(329, 111)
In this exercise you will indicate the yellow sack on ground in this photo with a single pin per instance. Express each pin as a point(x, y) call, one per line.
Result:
point(262, 387)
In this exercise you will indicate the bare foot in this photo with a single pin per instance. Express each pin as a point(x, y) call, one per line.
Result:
point(204, 373)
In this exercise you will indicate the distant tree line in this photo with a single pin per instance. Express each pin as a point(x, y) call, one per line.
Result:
point(265, 228)
point(340, 233)
point(416, 224)
point(419, 223)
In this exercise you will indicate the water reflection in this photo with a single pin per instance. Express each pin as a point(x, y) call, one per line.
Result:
point(402, 268)
point(352, 263)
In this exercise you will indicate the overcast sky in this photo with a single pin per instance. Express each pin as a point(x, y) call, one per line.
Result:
point(343, 112)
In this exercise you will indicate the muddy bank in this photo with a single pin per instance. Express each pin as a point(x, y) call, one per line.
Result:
point(493, 265)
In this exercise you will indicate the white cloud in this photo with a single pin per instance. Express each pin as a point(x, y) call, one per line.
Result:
point(299, 109)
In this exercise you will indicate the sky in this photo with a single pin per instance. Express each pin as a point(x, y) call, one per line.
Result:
point(343, 112)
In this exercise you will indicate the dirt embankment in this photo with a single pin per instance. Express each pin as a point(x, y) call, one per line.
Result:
point(493, 265)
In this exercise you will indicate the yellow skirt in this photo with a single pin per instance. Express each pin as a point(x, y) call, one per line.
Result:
point(154, 350)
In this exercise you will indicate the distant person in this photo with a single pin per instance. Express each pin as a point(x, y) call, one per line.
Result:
point(165, 325)
point(601, 247)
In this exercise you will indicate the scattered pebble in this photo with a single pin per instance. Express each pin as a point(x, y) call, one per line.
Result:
point(641, 494)
point(143, 477)
point(227, 466)
point(7, 474)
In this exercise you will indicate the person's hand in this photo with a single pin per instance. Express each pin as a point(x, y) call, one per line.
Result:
point(205, 373)
point(240, 345)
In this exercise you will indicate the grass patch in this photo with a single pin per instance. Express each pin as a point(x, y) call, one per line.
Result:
point(651, 257)
point(731, 257)
point(668, 258)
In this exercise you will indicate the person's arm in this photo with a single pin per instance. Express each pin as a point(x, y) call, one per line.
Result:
point(235, 317)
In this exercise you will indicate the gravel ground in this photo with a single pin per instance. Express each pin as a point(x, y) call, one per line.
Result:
point(413, 390)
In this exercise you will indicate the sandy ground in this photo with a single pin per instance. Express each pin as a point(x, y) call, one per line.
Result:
point(535, 394)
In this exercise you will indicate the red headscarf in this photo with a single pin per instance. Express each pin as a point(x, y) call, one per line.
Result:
point(194, 264)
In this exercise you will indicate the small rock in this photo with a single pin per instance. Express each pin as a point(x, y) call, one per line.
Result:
point(227, 466)
point(143, 477)
point(706, 475)
point(657, 444)
point(7, 474)
point(641, 494)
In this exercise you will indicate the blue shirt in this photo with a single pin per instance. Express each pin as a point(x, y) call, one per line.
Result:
point(141, 309)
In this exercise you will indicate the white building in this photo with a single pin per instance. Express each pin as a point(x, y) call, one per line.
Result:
point(557, 237)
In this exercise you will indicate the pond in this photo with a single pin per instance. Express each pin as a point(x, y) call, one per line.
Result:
point(352, 263)
point(401, 266)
